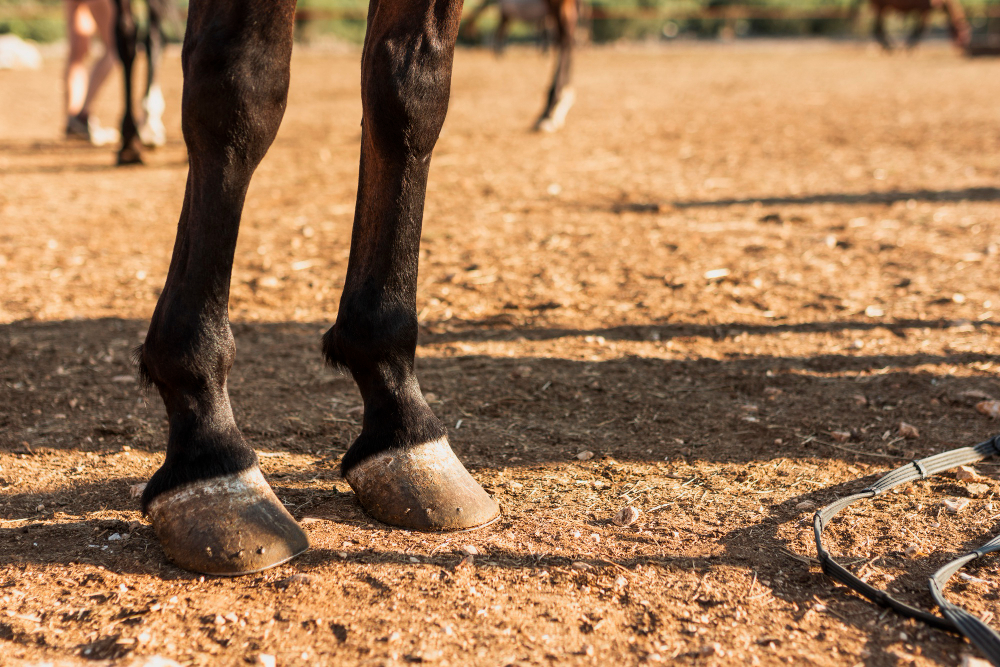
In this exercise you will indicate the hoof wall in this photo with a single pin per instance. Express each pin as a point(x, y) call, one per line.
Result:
point(153, 136)
point(226, 525)
point(127, 157)
point(547, 125)
point(554, 119)
point(422, 488)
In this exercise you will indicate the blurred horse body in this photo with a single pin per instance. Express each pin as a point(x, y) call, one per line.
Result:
point(958, 26)
point(535, 12)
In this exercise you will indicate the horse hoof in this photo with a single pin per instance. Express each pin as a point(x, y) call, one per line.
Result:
point(228, 525)
point(129, 155)
point(547, 125)
point(422, 488)
point(152, 136)
point(555, 118)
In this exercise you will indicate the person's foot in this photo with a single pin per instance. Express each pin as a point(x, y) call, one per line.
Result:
point(89, 129)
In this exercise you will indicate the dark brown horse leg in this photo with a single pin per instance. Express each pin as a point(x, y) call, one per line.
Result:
point(879, 31)
point(151, 129)
point(469, 29)
point(401, 466)
point(918, 29)
point(500, 36)
point(125, 37)
point(209, 504)
point(958, 24)
point(561, 95)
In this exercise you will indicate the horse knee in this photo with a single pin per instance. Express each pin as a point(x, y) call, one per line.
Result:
point(405, 90)
point(235, 92)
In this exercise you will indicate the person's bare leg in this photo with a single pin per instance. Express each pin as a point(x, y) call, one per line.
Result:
point(84, 19)
point(103, 16)
point(80, 28)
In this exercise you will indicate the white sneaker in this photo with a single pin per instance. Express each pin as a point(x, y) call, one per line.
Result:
point(90, 130)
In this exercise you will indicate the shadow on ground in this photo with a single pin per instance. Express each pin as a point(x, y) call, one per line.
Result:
point(70, 386)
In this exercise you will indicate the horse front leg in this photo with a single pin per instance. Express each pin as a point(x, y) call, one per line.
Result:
point(401, 466)
point(919, 28)
point(151, 130)
point(958, 24)
point(500, 36)
point(209, 503)
point(879, 30)
point(130, 151)
point(561, 96)
point(469, 30)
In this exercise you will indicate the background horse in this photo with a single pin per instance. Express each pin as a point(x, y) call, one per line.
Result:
point(562, 15)
point(958, 26)
point(535, 12)
point(148, 129)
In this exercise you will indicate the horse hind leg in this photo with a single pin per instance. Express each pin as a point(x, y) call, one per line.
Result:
point(401, 466)
point(500, 36)
point(919, 28)
point(958, 24)
point(879, 29)
point(130, 151)
point(209, 504)
point(152, 132)
point(561, 95)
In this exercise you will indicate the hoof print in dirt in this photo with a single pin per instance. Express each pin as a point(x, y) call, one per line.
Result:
point(422, 488)
point(228, 525)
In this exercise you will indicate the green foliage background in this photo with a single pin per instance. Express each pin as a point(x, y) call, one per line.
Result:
point(43, 20)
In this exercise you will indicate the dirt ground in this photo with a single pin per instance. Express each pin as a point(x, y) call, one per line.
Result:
point(730, 278)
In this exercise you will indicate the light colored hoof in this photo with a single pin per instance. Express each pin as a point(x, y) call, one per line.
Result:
point(555, 121)
point(129, 155)
point(548, 125)
point(226, 525)
point(152, 136)
point(152, 132)
point(422, 488)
